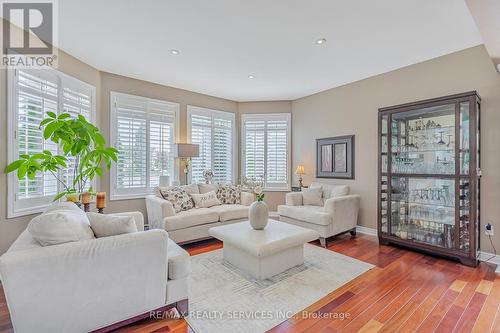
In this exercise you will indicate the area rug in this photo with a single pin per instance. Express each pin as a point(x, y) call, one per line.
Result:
point(224, 299)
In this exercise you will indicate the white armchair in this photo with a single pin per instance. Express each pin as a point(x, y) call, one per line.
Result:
point(85, 285)
point(338, 212)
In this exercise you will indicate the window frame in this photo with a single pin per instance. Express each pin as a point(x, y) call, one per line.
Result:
point(192, 109)
point(36, 204)
point(268, 117)
point(136, 193)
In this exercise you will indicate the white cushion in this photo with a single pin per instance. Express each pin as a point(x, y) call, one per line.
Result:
point(312, 196)
point(204, 188)
point(64, 205)
point(191, 188)
point(205, 200)
point(312, 214)
point(111, 225)
point(330, 191)
point(231, 212)
point(190, 218)
point(60, 226)
point(179, 262)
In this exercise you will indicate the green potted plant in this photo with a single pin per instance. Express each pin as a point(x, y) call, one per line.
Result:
point(79, 141)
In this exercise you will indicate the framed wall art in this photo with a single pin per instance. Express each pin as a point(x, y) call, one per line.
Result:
point(335, 157)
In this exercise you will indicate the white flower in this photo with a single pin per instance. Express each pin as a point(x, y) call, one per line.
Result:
point(258, 189)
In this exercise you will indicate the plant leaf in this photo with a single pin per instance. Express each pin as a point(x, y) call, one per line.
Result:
point(13, 166)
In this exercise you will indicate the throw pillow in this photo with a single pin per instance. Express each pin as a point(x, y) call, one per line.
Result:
point(312, 196)
point(178, 197)
point(205, 188)
point(63, 205)
point(229, 194)
point(205, 200)
point(60, 226)
point(191, 188)
point(111, 225)
point(339, 190)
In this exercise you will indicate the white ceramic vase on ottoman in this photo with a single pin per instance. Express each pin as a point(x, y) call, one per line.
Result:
point(258, 213)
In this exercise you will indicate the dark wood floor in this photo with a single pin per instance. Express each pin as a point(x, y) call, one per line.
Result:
point(405, 292)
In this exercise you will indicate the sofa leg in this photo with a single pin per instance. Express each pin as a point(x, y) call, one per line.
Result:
point(322, 241)
point(183, 307)
point(353, 232)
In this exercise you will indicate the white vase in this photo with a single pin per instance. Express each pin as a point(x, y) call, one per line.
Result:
point(258, 215)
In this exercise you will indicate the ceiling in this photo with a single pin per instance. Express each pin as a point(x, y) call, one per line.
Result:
point(222, 42)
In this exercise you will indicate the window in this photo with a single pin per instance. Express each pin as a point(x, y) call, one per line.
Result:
point(214, 132)
point(265, 148)
point(31, 94)
point(144, 131)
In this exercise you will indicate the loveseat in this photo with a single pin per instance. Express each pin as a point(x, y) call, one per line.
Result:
point(328, 209)
point(193, 224)
point(79, 286)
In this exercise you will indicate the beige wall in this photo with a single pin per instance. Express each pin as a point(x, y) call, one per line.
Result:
point(273, 199)
point(11, 228)
point(117, 83)
point(353, 108)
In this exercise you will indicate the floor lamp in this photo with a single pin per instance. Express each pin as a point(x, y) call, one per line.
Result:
point(186, 151)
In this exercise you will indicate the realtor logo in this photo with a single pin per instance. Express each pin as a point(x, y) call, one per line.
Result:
point(28, 34)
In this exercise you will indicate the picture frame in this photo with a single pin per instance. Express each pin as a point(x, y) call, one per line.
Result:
point(335, 157)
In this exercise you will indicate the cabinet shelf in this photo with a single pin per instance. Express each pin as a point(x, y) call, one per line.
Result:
point(406, 214)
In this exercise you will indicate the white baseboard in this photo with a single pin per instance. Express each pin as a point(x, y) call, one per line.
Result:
point(366, 230)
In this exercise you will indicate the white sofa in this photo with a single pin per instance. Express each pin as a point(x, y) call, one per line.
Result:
point(86, 285)
point(338, 212)
point(193, 224)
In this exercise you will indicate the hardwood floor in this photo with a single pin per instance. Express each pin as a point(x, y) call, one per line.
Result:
point(405, 292)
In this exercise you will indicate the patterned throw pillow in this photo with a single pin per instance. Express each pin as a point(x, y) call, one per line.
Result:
point(205, 200)
point(229, 194)
point(178, 197)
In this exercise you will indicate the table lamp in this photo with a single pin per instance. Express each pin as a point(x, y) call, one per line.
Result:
point(300, 172)
point(186, 151)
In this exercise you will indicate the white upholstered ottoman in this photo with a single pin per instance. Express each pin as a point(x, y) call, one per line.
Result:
point(263, 253)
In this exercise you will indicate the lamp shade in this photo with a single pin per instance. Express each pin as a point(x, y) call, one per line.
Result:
point(187, 150)
point(300, 170)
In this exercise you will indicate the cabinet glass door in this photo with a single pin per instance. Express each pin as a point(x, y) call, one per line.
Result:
point(423, 141)
point(423, 210)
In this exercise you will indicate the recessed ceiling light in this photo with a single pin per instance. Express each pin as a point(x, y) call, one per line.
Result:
point(251, 76)
point(174, 51)
point(321, 41)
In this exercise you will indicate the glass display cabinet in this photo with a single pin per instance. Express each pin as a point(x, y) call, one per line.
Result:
point(429, 176)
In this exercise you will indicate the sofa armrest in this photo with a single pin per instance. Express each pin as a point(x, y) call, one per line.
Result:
point(293, 199)
point(344, 210)
point(158, 209)
point(81, 286)
point(138, 218)
point(247, 198)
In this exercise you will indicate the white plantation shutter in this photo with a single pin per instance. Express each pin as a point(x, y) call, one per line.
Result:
point(266, 149)
point(31, 94)
point(201, 134)
point(143, 131)
point(254, 148)
point(75, 101)
point(214, 132)
point(222, 150)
